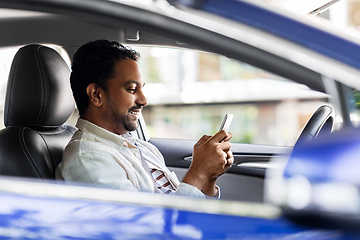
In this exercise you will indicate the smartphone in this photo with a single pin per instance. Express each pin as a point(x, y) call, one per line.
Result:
point(226, 122)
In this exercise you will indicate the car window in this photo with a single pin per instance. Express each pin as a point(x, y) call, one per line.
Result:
point(352, 97)
point(189, 92)
point(6, 57)
point(355, 113)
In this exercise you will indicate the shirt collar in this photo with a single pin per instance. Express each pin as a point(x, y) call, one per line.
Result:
point(129, 138)
point(112, 139)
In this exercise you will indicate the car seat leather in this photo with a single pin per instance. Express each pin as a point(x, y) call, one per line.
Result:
point(38, 103)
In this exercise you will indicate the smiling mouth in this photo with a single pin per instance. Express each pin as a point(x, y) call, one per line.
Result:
point(135, 114)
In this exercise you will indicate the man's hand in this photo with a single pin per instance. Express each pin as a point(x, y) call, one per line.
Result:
point(211, 158)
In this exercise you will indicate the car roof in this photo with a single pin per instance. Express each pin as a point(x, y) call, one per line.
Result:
point(312, 7)
point(287, 27)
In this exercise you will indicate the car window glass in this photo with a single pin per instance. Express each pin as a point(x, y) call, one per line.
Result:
point(189, 92)
point(352, 97)
point(6, 57)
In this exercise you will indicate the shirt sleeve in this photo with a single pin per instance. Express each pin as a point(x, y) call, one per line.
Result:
point(98, 169)
point(189, 190)
point(217, 195)
point(182, 188)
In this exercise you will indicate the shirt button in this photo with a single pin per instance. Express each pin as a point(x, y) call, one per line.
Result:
point(136, 154)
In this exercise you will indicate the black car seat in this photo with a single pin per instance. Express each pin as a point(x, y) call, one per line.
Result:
point(38, 103)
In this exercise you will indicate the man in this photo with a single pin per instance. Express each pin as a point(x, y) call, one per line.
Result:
point(108, 90)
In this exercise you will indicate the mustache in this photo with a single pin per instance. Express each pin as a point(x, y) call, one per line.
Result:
point(136, 107)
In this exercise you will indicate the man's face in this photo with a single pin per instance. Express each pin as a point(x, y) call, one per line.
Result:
point(124, 98)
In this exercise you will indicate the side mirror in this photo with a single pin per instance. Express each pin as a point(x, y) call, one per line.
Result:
point(319, 185)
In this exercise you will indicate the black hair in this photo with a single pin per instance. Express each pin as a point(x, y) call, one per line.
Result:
point(94, 63)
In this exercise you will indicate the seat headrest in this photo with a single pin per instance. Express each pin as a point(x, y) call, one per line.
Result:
point(38, 91)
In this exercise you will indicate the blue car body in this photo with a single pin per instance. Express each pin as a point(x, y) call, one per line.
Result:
point(29, 217)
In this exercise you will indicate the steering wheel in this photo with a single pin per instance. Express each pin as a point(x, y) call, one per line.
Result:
point(320, 122)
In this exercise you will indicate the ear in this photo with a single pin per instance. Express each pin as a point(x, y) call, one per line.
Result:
point(94, 93)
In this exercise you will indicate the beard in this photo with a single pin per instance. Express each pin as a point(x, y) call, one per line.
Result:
point(121, 121)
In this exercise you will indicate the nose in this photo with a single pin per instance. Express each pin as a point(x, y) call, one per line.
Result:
point(141, 99)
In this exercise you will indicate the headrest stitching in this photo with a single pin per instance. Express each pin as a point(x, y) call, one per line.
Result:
point(27, 153)
point(41, 70)
point(10, 91)
point(47, 148)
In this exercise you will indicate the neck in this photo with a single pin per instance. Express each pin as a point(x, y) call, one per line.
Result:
point(94, 117)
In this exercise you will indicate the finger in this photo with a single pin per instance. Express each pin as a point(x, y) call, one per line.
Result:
point(229, 163)
point(228, 137)
point(230, 158)
point(225, 156)
point(229, 154)
point(202, 140)
point(227, 167)
point(219, 136)
point(225, 146)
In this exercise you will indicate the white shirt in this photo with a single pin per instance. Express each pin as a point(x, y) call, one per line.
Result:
point(104, 159)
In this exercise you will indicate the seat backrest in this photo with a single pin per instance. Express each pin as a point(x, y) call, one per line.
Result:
point(38, 103)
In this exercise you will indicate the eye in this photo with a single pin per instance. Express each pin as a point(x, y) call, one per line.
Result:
point(132, 90)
